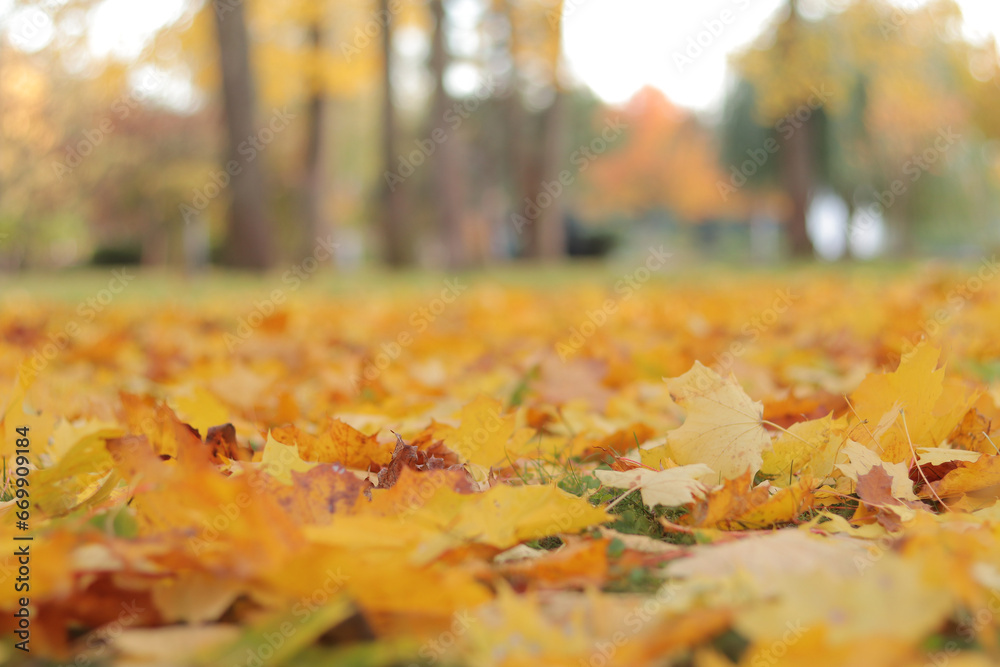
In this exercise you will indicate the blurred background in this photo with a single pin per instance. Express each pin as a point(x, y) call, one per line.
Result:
point(457, 133)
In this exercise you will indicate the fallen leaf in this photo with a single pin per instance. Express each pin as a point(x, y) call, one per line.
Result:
point(336, 443)
point(671, 488)
point(723, 428)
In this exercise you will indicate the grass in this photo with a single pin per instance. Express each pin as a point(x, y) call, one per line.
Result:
point(171, 286)
point(7, 490)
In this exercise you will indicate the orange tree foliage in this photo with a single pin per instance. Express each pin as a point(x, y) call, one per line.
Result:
point(666, 160)
point(797, 468)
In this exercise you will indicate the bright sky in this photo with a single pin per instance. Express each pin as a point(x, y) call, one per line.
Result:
point(614, 46)
point(618, 46)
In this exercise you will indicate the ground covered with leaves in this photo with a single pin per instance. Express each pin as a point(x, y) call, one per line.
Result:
point(753, 469)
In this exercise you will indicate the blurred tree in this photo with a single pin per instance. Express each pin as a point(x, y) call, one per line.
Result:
point(311, 59)
point(397, 247)
point(852, 99)
point(447, 176)
point(314, 224)
point(865, 85)
point(249, 238)
point(29, 127)
point(537, 142)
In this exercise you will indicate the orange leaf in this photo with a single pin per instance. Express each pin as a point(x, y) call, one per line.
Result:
point(337, 443)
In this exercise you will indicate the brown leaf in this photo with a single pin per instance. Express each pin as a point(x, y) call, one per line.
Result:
point(222, 442)
point(315, 496)
point(874, 488)
point(408, 456)
point(981, 479)
point(971, 433)
point(623, 440)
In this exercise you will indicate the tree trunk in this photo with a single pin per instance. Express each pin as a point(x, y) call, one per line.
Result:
point(521, 168)
point(155, 242)
point(546, 237)
point(849, 226)
point(446, 177)
point(396, 248)
point(248, 234)
point(797, 181)
point(797, 173)
point(898, 225)
point(313, 221)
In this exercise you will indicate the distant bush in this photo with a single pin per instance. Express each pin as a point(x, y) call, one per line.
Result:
point(118, 255)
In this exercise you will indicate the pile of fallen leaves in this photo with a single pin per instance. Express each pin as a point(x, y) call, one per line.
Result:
point(795, 469)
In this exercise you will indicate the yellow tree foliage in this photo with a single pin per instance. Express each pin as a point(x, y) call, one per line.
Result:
point(286, 66)
point(916, 82)
point(536, 36)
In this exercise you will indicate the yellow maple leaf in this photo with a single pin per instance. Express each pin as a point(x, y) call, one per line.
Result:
point(202, 410)
point(280, 460)
point(506, 515)
point(808, 447)
point(724, 428)
point(925, 415)
point(486, 436)
point(77, 476)
point(738, 506)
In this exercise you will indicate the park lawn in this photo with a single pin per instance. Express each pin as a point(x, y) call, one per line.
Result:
point(614, 464)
